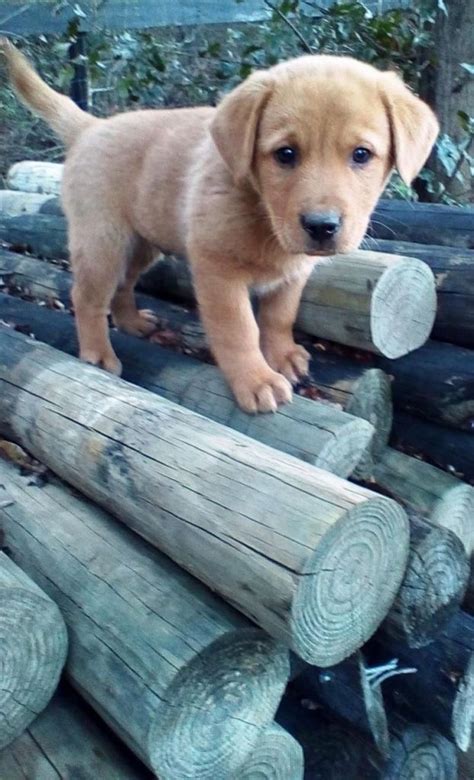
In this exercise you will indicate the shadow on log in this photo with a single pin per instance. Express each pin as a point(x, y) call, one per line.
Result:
point(68, 740)
point(33, 642)
point(273, 535)
point(425, 223)
point(176, 673)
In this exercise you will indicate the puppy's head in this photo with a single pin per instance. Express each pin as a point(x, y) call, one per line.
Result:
point(317, 137)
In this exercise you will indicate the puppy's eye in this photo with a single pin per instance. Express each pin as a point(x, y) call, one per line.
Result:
point(287, 155)
point(361, 155)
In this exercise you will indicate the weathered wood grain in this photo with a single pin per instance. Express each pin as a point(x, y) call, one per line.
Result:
point(277, 756)
point(14, 203)
point(316, 432)
point(33, 647)
point(311, 558)
point(425, 223)
point(176, 673)
point(40, 177)
point(68, 741)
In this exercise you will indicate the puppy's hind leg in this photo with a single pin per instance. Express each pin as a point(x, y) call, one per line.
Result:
point(126, 316)
point(99, 263)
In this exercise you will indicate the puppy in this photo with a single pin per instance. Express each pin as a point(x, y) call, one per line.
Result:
point(286, 169)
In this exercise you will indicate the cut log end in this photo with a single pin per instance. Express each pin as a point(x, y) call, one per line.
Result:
point(372, 401)
point(277, 756)
point(232, 689)
point(421, 753)
point(350, 582)
point(463, 709)
point(433, 587)
point(343, 451)
point(33, 639)
point(32, 176)
point(403, 307)
point(455, 511)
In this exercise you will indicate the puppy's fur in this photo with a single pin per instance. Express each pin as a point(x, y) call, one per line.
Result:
point(205, 182)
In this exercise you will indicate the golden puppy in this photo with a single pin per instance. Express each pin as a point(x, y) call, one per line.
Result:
point(287, 168)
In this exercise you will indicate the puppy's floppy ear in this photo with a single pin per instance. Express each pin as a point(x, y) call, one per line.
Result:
point(413, 125)
point(234, 128)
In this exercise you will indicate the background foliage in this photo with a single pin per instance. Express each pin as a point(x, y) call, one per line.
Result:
point(193, 66)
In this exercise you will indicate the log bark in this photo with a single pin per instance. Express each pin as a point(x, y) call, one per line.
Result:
point(423, 223)
point(33, 641)
point(449, 449)
point(69, 741)
point(454, 275)
point(178, 675)
point(433, 587)
point(441, 692)
point(277, 756)
point(14, 204)
point(33, 176)
point(385, 304)
point(271, 534)
point(446, 500)
point(436, 382)
point(312, 431)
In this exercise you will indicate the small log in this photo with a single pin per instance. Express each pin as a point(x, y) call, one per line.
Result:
point(33, 641)
point(419, 753)
point(44, 235)
point(33, 176)
point(178, 675)
point(454, 275)
point(441, 692)
point(433, 587)
point(447, 501)
point(273, 535)
point(277, 756)
point(425, 223)
point(14, 204)
point(436, 382)
point(449, 449)
point(69, 741)
point(313, 431)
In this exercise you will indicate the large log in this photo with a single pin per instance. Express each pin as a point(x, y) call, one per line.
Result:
point(14, 204)
point(435, 382)
point(441, 692)
point(277, 756)
point(177, 674)
point(449, 449)
point(33, 642)
point(425, 223)
point(383, 303)
point(33, 176)
point(454, 275)
point(69, 741)
point(313, 431)
point(291, 545)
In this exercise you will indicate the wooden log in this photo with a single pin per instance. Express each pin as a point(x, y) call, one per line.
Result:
point(441, 692)
point(444, 498)
point(14, 204)
point(33, 641)
point(420, 753)
point(425, 223)
point(454, 275)
point(466, 764)
point(268, 532)
point(436, 382)
point(313, 431)
point(69, 741)
point(34, 176)
point(176, 673)
point(44, 235)
point(277, 756)
point(449, 449)
point(433, 587)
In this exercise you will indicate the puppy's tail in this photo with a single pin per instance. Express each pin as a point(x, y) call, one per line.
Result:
point(64, 117)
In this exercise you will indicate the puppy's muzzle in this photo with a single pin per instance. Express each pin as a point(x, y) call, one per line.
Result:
point(322, 228)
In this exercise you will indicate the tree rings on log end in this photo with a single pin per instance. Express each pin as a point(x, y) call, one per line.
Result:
point(350, 582)
point(403, 307)
point(277, 756)
point(455, 511)
point(344, 449)
point(463, 709)
point(372, 401)
point(421, 753)
point(33, 641)
point(218, 706)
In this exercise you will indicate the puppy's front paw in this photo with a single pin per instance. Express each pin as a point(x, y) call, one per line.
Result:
point(290, 359)
point(262, 391)
point(107, 360)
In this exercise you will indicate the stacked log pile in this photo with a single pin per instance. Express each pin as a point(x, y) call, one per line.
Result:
point(217, 542)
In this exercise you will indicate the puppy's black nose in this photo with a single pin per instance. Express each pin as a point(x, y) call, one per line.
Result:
point(321, 225)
